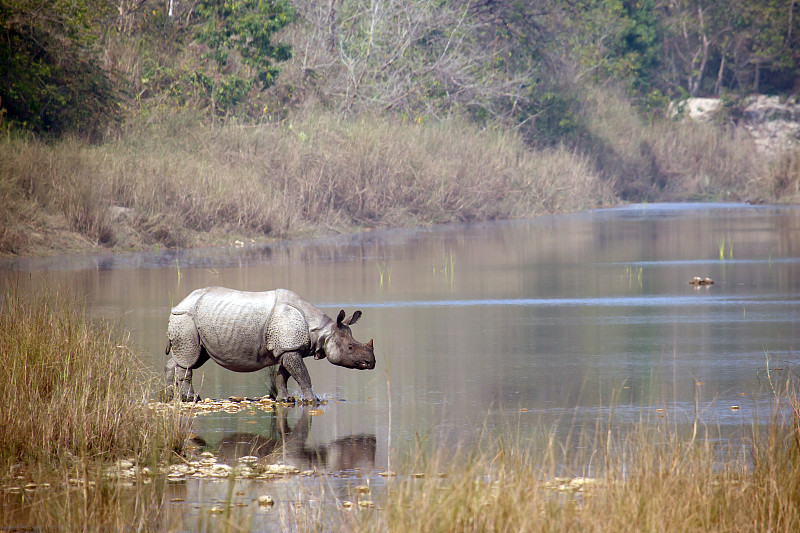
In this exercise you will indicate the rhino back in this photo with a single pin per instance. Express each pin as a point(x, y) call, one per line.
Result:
point(231, 325)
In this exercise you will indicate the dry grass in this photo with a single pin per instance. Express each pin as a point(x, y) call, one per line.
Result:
point(183, 181)
point(671, 160)
point(171, 180)
point(782, 179)
point(74, 403)
point(659, 475)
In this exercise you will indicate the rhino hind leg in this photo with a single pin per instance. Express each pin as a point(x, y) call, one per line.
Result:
point(184, 341)
point(179, 379)
point(187, 353)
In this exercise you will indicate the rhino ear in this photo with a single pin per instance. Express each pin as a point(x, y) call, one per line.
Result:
point(340, 318)
point(353, 319)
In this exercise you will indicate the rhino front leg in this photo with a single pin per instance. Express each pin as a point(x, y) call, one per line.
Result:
point(292, 365)
point(180, 378)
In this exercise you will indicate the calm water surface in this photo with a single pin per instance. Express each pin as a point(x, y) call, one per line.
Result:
point(542, 325)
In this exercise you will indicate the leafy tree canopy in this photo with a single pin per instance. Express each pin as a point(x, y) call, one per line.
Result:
point(50, 81)
point(245, 27)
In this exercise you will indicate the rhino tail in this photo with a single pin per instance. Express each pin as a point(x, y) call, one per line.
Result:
point(169, 345)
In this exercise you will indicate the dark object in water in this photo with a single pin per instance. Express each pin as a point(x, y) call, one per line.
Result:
point(698, 281)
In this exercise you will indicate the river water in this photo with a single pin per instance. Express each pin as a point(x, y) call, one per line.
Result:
point(546, 325)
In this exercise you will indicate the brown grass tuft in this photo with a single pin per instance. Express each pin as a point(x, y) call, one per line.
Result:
point(666, 160)
point(180, 182)
point(74, 394)
point(81, 389)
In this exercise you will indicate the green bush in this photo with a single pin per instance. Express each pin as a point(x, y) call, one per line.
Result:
point(51, 82)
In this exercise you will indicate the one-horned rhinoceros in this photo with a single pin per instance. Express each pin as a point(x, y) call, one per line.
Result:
point(248, 331)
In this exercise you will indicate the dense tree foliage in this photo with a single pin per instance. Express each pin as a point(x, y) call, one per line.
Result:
point(740, 45)
point(50, 79)
point(523, 63)
point(245, 27)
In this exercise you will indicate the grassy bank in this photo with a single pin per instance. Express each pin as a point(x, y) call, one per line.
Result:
point(665, 160)
point(73, 392)
point(184, 184)
point(176, 181)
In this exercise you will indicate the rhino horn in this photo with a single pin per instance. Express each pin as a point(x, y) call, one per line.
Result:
point(369, 345)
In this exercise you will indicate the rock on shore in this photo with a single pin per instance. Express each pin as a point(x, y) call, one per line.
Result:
point(773, 121)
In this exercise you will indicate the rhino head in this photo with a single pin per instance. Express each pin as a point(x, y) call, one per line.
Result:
point(343, 350)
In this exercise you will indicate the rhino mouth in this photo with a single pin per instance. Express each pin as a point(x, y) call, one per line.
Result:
point(365, 365)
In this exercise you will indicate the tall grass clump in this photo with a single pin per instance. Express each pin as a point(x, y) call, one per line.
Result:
point(782, 180)
point(52, 186)
point(74, 397)
point(178, 182)
point(318, 172)
point(652, 477)
point(663, 159)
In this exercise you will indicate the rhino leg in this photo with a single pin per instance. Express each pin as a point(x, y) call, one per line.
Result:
point(292, 365)
point(180, 378)
point(187, 353)
point(184, 341)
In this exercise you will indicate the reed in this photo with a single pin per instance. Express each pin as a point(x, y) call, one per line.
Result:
point(667, 160)
point(182, 183)
point(75, 403)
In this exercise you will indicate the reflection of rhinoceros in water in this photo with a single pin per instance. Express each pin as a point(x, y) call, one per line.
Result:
point(288, 446)
point(248, 331)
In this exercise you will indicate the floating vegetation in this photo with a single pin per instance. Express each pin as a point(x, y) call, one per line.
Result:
point(568, 485)
point(266, 501)
point(205, 465)
point(232, 404)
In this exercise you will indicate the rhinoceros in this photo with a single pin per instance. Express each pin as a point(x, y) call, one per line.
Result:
point(248, 331)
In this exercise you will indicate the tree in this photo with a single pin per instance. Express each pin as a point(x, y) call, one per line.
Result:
point(244, 29)
point(766, 59)
point(50, 80)
point(744, 45)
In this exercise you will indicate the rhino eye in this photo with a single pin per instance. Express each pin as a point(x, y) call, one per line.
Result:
point(350, 347)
